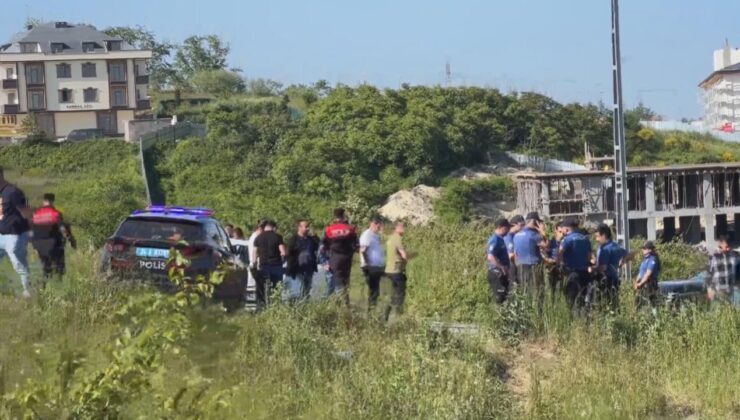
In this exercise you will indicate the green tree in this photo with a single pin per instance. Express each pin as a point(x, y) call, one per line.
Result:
point(160, 68)
point(264, 87)
point(219, 83)
point(200, 53)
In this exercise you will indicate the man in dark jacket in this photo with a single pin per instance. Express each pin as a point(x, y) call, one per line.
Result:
point(14, 229)
point(302, 252)
point(50, 235)
point(340, 240)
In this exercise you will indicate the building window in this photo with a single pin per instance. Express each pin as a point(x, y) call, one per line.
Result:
point(114, 45)
point(9, 73)
point(29, 47)
point(64, 71)
point(117, 70)
point(89, 47)
point(91, 95)
point(11, 99)
point(65, 96)
point(36, 100)
point(89, 70)
point(57, 47)
point(35, 74)
point(118, 97)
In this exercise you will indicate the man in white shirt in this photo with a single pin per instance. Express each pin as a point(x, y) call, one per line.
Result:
point(372, 259)
point(252, 252)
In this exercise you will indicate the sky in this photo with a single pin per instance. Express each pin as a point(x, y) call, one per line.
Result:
point(560, 48)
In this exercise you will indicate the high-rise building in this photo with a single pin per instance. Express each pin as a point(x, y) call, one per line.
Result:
point(721, 91)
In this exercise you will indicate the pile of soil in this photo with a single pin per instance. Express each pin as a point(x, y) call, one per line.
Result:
point(414, 206)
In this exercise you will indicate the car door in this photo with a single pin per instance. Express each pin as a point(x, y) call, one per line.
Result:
point(235, 280)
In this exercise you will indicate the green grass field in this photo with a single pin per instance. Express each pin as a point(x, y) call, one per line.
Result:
point(85, 348)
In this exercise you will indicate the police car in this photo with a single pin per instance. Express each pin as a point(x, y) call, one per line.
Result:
point(141, 247)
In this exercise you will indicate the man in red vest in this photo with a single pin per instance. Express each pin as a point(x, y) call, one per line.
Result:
point(50, 234)
point(340, 240)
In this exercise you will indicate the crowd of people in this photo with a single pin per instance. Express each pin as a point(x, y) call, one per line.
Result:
point(273, 261)
point(520, 254)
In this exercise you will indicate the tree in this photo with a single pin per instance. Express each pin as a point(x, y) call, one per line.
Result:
point(264, 87)
point(32, 22)
point(219, 83)
point(198, 53)
point(160, 69)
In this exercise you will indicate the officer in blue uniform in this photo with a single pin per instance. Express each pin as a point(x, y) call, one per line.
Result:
point(646, 284)
point(554, 270)
point(609, 258)
point(575, 256)
point(516, 225)
point(498, 262)
point(529, 245)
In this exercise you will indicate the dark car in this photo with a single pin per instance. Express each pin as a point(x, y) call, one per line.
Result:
point(84, 134)
point(141, 247)
point(676, 292)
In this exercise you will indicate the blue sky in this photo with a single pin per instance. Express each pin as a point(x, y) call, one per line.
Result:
point(561, 48)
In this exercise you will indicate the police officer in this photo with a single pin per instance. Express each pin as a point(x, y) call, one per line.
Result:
point(575, 256)
point(529, 244)
point(646, 284)
point(516, 225)
point(498, 262)
point(609, 258)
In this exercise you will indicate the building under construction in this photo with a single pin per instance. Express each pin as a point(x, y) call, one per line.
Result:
point(695, 202)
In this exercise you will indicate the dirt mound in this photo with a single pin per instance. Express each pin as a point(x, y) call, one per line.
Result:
point(414, 206)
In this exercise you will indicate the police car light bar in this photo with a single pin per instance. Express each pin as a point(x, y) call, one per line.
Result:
point(198, 211)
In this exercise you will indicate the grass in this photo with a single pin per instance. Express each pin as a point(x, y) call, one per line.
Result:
point(84, 348)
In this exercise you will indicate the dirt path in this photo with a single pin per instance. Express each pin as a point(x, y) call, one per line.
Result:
point(528, 370)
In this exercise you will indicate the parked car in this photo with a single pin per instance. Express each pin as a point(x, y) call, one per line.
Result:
point(141, 246)
point(676, 292)
point(84, 134)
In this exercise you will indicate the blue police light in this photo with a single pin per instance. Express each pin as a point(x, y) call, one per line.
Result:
point(198, 211)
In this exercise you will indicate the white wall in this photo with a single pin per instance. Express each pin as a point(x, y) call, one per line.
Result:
point(68, 121)
point(121, 117)
point(77, 83)
point(719, 62)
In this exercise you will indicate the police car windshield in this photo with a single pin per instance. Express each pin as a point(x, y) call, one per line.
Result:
point(160, 230)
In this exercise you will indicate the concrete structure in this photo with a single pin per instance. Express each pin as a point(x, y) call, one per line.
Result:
point(700, 196)
point(721, 91)
point(71, 77)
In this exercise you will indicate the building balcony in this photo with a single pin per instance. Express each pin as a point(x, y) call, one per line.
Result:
point(10, 83)
point(143, 104)
point(142, 79)
point(11, 109)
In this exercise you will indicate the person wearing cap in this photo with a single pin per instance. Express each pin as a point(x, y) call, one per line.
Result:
point(498, 262)
point(646, 284)
point(575, 257)
point(529, 244)
point(372, 259)
point(609, 258)
point(516, 224)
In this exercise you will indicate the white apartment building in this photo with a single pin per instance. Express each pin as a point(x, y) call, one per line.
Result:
point(721, 91)
point(72, 77)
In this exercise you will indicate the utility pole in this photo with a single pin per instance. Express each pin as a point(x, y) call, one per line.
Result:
point(620, 149)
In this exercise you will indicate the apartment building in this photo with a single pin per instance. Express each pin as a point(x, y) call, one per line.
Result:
point(721, 91)
point(72, 77)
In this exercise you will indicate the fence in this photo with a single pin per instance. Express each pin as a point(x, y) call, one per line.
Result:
point(154, 190)
point(544, 164)
point(690, 128)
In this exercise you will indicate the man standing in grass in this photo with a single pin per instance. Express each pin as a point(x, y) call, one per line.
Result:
point(372, 260)
point(271, 253)
point(302, 250)
point(50, 235)
point(395, 268)
point(340, 242)
point(575, 256)
point(723, 283)
point(646, 285)
point(498, 262)
point(528, 247)
point(14, 228)
point(517, 224)
point(609, 258)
